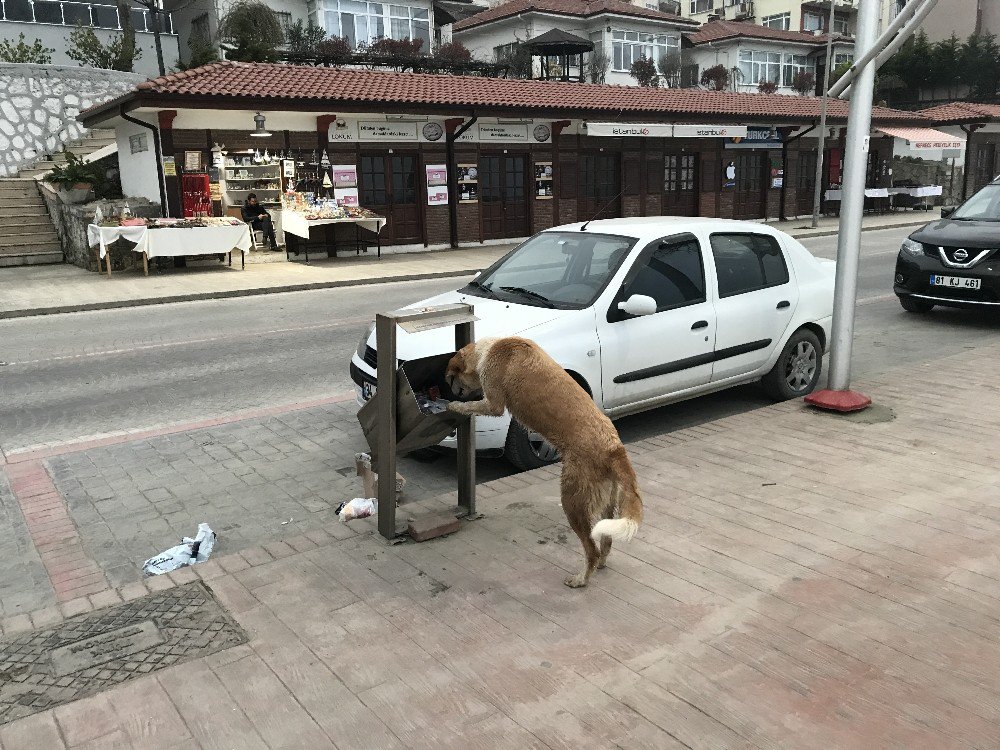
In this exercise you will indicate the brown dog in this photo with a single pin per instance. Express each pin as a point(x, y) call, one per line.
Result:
point(598, 481)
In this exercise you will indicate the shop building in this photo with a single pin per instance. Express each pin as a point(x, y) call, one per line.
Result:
point(980, 125)
point(454, 160)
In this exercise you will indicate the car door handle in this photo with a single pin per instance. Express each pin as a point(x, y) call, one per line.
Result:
point(699, 324)
point(783, 304)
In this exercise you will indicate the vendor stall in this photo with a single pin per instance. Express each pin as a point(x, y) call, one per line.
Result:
point(301, 219)
point(171, 238)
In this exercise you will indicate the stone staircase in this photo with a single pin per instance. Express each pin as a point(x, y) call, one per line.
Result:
point(27, 235)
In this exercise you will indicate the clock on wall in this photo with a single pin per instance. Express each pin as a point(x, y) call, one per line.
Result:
point(542, 133)
point(433, 131)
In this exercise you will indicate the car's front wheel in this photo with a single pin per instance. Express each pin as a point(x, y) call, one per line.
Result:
point(915, 304)
point(527, 449)
point(798, 368)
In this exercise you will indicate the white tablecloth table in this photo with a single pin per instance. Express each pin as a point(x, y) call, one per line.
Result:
point(172, 242)
point(295, 222)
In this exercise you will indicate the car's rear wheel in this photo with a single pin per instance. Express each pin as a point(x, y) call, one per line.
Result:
point(798, 368)
point(527, 449)
point(915, 304)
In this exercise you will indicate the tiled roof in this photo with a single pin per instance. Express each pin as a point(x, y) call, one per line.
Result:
point(962, 112)
point(715, 31)
point(575, 8)
point(272, 86)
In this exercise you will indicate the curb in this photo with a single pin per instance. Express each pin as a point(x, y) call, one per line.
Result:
point(259, 291)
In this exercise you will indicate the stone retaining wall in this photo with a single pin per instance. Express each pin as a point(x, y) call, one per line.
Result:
point(39, 105)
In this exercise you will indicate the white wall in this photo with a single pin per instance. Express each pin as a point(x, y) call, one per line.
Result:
point(54, 36)
point(140, 177)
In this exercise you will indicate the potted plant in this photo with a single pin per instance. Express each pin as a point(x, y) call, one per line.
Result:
point(74, 179)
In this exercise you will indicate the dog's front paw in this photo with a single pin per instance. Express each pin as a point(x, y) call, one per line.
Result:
point(455, 406)
point(576, 582)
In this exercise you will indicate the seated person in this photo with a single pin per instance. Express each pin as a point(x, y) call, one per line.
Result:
point(257, 217)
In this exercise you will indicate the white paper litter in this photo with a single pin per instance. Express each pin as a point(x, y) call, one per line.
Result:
point(188, 552)
point(359, 507)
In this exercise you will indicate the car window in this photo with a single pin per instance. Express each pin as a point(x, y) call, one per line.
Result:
point(747, 262)
point(563, 269)
point(673, 274)
point(983, 206)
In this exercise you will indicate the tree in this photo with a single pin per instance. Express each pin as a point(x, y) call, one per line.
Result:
point(597, 66)
point(670, 69)
point(980, 66)
point(400, 54)
point(35, 53)
point(716, 78)
point(518, 60)
point(453, 52)
point(644, 72)
point(336, 50)
point(767, 87)
point(303, 38)
point(804, 83)
point(85, 48)
point(129, 52)
point(252, 32)
point(203, 52)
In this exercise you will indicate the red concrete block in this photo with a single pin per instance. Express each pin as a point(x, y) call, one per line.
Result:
point(428, 527)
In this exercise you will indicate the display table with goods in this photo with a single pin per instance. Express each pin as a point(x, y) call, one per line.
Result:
point(173, 238)
point(302, 219)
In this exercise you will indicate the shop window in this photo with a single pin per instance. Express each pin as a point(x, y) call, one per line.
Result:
point(795, 64)
point(747, 262)
point(629, 46)
point(778, 21)
point(756, 66)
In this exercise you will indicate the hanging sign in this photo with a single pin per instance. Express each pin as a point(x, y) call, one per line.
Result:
point(288, 168)
point(630, 130)
point(756, 137)
point(710, 131)
point(437, 184)
point(387, 131)
point(169, 167)
point(494, 132)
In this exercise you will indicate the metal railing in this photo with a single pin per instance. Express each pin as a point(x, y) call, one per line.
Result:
point(67, 13)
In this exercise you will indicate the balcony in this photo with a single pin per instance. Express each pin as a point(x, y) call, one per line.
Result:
point(64, 13)
point(738, 10)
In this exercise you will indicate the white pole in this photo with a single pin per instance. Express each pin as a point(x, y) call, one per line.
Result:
point(851, 215)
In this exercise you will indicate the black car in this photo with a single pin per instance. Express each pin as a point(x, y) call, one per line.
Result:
point(954, 262)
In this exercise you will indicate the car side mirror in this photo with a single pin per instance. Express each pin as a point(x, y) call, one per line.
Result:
point(947, 211)
point(638, 305)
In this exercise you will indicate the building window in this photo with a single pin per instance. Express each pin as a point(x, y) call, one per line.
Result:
point(842, 57)
point(812, 22)
point(896, 6)
point(795, 64)
point(701, 6)
point(780, 21)
point(840, 25)
point(503, 51)
point(629, 46)
point(757, 66)
point(362, 23)
point(285, 19)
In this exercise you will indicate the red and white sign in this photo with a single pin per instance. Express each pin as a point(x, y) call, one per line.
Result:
point(437, 184)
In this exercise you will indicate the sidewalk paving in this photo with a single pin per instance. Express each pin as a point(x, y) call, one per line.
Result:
point(800, 580)
point(39, 290)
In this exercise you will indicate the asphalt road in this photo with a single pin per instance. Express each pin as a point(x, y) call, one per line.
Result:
point(81, 374)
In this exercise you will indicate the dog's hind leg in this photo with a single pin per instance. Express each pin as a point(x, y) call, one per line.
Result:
point(579, 521)
point(605, 543)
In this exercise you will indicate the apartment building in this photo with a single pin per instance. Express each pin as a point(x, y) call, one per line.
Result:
point(810, 16)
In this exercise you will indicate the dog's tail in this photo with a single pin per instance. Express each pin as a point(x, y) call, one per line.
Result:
point(625, 499)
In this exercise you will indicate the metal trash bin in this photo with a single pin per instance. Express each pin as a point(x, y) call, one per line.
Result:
point(415, 428)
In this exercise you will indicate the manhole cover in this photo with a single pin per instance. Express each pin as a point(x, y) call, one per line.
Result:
point(87, 654)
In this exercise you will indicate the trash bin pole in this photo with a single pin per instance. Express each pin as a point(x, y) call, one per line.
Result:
point(466, 442)
point(385, 340)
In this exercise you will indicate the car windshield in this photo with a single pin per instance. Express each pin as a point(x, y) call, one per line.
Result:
point(983, 206)
point(567, 270)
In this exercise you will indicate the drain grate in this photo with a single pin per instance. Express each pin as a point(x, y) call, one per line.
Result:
point(87, 654)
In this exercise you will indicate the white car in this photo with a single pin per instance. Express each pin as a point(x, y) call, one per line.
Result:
point(643, 312)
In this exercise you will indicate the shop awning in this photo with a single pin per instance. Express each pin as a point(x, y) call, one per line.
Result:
point(920, 139)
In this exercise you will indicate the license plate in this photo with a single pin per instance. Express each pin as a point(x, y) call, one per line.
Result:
point(956, 282)
point(367, 391)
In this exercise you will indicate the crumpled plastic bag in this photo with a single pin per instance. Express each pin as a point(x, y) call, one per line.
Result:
point(359, 507)
point(188, 552)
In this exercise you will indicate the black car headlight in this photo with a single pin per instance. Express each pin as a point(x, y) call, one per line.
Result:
point(912, 247)
point(363, 344)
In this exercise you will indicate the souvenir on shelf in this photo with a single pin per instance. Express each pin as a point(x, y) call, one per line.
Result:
point(325, 162)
